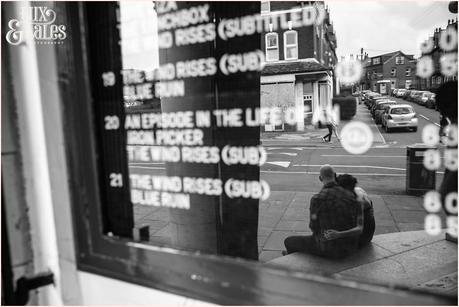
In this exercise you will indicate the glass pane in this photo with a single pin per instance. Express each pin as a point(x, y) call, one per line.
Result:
point(272, 54)
point(272, 40)
point(291, 38)
point(228, 157)
point(292, 52)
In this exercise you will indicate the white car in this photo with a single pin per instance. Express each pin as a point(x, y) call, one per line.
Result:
point(400, 116)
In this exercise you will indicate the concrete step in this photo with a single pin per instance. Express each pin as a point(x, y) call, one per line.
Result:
point(413, 259)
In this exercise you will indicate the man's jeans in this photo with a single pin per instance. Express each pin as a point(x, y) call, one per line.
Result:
point(305, 244)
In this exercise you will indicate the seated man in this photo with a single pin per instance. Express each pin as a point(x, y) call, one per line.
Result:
point(332, 208)
point(367, 231)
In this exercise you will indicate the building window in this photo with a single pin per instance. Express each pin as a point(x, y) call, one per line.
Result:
point(265, 6)
point(291, 45)
point(408, 72)
point(376, 61)
point(399, 60)
point(272, 47)
point(393, 72)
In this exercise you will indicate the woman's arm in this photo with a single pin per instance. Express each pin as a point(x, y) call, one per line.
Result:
point(332, 234)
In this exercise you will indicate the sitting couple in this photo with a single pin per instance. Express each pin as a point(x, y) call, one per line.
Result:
point(341, 218)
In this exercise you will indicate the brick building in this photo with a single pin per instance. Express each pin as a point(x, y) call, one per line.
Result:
point(299, 63)
point(396, 68)
point(437, 78)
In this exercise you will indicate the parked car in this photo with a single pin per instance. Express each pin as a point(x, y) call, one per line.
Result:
point(400, 92)
point(370, 97)
point(400, 116)
point(406, 94)
point(379, 108)
point(431, 102)
point(422, 98)
point(376, 103)
point(374, 99)
point(412, 96)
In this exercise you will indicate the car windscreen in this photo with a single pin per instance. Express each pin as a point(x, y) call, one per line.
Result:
point(382, 106)
point(401, 111)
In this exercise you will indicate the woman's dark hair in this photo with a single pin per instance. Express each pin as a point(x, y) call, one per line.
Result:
point(347, 181)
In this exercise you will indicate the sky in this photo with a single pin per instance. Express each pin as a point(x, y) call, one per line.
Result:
point(385, 26)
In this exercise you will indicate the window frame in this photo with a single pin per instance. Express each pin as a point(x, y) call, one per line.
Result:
point(376, 61)
point(271, 47)
point(269, 6)
point(399, 60)
point(216, 279)
point(290, 45)
point(408, 72)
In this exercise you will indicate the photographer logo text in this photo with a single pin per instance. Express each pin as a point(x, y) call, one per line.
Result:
point(41, 21)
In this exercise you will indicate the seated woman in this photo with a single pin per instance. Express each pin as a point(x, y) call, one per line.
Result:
point(366, 234)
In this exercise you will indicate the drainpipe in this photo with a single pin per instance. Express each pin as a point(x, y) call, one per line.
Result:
point(35, 158)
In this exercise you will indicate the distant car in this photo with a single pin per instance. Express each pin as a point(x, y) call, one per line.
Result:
point(417, 97)
point(431, 102)
point(379, 110)
point(412, 95)
point(370, 97)
point(423, 97)
point(406, 94)
point(377, 102)
point(400, 92)
point(377, 98)
point(400, 116)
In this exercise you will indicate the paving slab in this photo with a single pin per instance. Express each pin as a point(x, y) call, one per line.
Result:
point(385, 229)
point(276, 239)
point(268, 221)
point(266, 256)
point(294, 226)
point(320, 265)
point(408, 216)
point(281, 195)
point(401, 202)
point(414, 239)
point(403, 268)
point(445, 284)
point(296, 214)
point(410, 226)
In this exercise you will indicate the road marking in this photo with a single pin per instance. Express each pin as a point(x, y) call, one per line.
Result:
point(424, 117)
point(283, 153)
point(428, 119)
point(279, 163)
point(355, 166)
point(380, 134)
point(362, 156)
point(318, 173)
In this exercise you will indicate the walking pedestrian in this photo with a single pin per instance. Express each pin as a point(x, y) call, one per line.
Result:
point(332, 128)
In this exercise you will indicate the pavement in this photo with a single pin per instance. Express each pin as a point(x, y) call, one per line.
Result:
point(412, 260)
point(286, 213)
